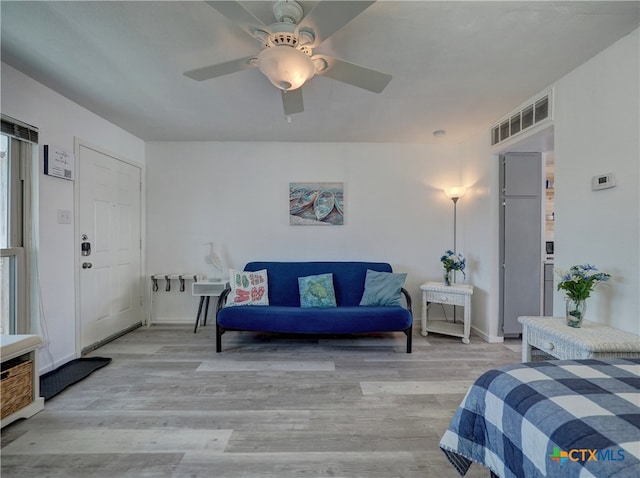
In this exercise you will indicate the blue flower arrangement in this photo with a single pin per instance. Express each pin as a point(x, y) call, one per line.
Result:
point(579, 281)
point(453, 262)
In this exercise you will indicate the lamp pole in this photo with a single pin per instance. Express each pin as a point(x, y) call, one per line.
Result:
point(455, 207)
point(455, 194)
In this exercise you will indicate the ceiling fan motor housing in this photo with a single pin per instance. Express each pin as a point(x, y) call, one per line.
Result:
point(283, 38)
point(288, 11)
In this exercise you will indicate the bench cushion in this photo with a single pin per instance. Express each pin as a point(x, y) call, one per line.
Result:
point(14, 345)
point(335, 320)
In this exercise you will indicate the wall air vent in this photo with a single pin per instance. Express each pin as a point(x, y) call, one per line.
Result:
point(531, 113)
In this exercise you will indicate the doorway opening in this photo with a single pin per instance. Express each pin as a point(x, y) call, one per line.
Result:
point(526, 232)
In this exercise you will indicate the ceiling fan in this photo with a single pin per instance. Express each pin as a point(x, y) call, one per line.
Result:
point(287, 58)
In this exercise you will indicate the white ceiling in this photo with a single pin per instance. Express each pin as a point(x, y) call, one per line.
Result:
point(456, 66)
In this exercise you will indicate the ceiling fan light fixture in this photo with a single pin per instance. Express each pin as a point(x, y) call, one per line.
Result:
point(287, 68)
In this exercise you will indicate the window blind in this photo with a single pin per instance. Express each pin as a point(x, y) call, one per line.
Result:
point(17, 129)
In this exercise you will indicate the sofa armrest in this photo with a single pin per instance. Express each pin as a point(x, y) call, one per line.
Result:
point(222, 299)
point(407, 297)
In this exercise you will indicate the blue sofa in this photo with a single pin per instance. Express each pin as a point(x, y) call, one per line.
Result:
point(284, 314)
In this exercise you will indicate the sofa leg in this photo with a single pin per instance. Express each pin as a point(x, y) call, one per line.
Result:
point(219, 332)
point(409, 332)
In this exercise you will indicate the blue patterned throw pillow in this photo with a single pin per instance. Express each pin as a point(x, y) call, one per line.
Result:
point(383, 288)
point(317, 291)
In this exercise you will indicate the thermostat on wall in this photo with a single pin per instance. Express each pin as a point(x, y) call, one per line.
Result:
point(603, 181)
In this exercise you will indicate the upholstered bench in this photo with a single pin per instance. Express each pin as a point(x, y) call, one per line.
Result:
point(20, 385)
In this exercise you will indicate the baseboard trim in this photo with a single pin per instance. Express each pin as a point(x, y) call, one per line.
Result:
point(44, 356)
point(180, 320)
point(492, 339)
point(111, 338)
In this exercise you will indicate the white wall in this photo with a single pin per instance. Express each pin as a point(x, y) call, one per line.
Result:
point(480, 233)
point(59, 120)
point(597, 130)
point(236, 194)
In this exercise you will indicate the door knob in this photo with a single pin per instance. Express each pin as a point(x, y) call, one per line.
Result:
point(86, 265)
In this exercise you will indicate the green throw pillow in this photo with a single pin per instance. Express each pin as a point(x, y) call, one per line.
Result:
point(317, 291)
point(383, 288)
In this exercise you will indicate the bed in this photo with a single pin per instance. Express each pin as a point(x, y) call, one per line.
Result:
point(569, 418)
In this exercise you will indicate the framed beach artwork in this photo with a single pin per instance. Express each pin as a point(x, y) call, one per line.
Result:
point(316, 204)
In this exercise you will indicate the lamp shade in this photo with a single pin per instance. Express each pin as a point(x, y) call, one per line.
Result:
point(455, 192)
point(286, 67)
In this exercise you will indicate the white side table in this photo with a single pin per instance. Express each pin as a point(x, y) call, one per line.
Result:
point(456, 294)
point(205, 290)
point(593, 340)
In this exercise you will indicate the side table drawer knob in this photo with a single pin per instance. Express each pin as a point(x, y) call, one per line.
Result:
point(547, 346)
point(444, 298)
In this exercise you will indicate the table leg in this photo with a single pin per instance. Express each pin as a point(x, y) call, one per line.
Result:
point(526, 347)
point(206, 310)
point(195, 329)
point(425, 306)
point(467, 321)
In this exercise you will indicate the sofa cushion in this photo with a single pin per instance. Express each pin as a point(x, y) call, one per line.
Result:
point(333, 320)
point(248, 288)
point(383, 288)
point(348, 279)
point(317, 291)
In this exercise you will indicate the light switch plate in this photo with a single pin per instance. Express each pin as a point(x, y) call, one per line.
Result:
point(64, 216)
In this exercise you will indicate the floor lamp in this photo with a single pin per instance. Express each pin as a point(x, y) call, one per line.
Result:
point(454, 194)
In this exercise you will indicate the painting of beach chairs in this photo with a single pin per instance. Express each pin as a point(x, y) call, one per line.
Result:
point(316, 204)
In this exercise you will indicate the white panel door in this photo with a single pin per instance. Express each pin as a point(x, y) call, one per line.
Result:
point(521, 239)
point(110, 297)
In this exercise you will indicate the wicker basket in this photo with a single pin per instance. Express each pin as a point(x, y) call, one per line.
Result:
point(16, 387)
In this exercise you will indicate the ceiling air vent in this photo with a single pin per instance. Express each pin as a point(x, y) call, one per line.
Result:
point(533, 112)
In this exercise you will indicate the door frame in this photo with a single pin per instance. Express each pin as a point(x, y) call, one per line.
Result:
point(77, 143)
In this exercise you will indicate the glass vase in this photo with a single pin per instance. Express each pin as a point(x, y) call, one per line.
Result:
point(576, 309)
point(447, 277)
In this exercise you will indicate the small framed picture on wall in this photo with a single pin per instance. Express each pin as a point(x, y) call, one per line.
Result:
point(316, 204)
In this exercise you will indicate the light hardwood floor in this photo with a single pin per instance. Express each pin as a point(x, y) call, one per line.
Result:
point(268, 406)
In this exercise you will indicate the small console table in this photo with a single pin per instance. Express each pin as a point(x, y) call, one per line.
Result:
point(553, 336)
point(205, 290)
point(456, 294)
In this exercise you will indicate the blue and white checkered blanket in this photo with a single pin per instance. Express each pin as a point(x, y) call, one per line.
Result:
point(569, 418)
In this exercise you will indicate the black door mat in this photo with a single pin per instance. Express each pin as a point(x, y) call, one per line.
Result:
point(54, 382)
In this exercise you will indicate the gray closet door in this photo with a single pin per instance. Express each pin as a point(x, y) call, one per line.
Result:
point(521, 239)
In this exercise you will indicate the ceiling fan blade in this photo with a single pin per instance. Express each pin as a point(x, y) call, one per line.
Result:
point(244, 19)
point(292, 101)
point(220, 69)
point(327, 17)
point(353, 74)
